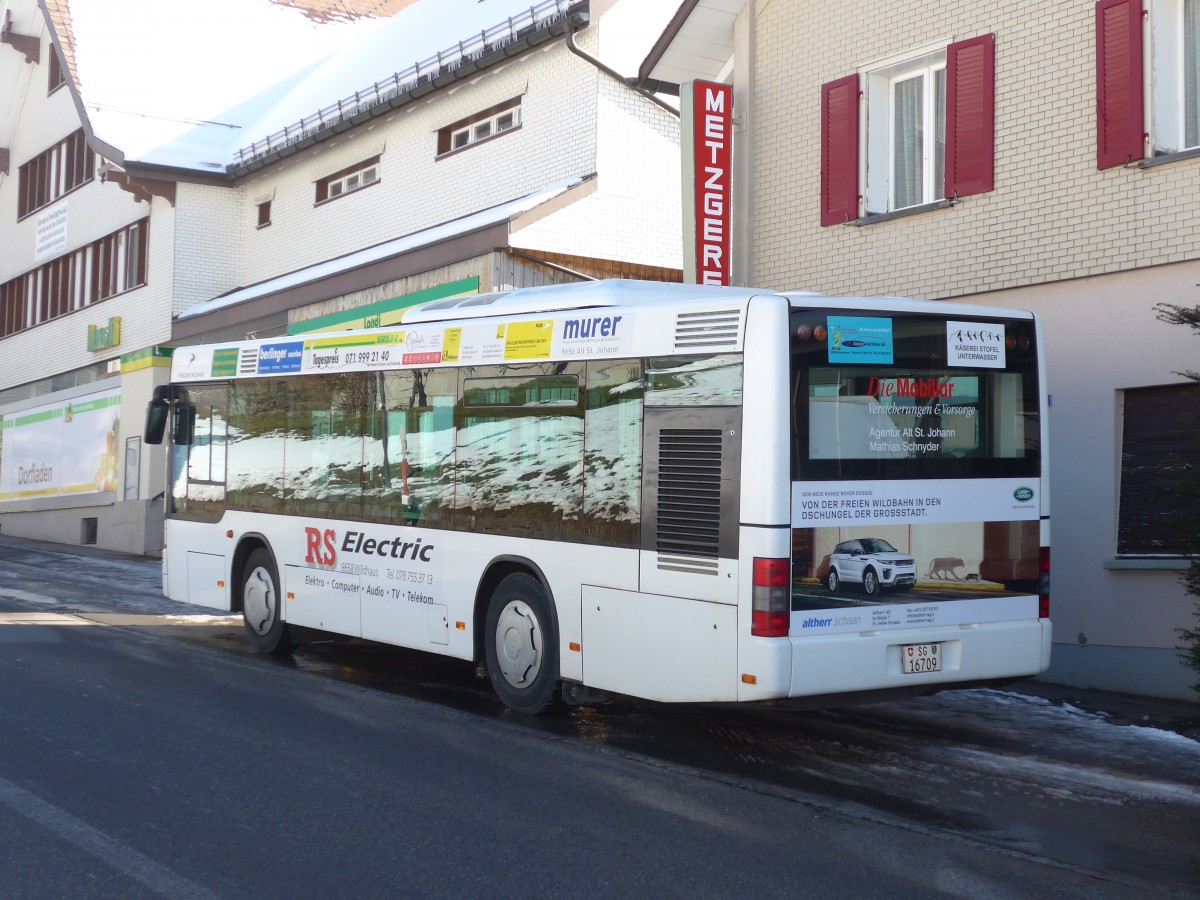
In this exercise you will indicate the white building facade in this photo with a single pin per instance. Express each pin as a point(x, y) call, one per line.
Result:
point(508, 156)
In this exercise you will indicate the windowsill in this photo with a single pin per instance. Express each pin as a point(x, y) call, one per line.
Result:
point(873, 218)
point(1166, 159)
point(1178, 563)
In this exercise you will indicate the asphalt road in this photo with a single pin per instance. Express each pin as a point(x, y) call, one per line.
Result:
point(147, 753)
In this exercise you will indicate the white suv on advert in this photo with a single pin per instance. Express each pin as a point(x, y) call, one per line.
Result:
point(871, 562)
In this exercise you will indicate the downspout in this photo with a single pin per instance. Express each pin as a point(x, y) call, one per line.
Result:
point(630, 83)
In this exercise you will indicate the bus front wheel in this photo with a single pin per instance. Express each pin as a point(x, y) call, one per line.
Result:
point(262, 613)
point(521, 645)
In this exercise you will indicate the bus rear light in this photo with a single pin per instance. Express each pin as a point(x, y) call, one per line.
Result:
point(1044, 585)
point(771, 600)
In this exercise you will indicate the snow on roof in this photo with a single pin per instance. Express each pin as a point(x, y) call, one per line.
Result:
point(424, 238)
point(186, 85)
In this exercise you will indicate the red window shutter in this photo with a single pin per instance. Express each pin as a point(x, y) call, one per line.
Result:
point(1119, 103)
point(971, 116)
point(839, 151)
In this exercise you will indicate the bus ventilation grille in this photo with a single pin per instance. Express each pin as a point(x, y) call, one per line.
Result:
point(711, 329)
point(248, 362)
point(689, 500)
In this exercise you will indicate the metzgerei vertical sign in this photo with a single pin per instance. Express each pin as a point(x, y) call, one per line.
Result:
point(706, 127)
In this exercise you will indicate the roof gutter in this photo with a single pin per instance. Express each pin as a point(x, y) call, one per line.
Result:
point(632, 83)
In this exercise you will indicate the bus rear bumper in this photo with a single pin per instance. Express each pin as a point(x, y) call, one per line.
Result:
point(983, 653)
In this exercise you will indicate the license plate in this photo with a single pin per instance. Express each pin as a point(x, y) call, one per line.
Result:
point(915, 658)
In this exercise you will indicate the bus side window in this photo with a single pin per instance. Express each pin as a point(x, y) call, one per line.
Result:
point(613, 447)
point(410, 455)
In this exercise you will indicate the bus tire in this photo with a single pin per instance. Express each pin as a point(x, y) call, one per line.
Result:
point(870, 582)
point(833, 582)
point(521, 646)
point(262, 609)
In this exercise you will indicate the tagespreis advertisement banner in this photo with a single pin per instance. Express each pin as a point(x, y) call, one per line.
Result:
point(62, 448)
point(573, 336)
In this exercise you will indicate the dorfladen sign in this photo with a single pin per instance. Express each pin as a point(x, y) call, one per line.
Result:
point(707, 131)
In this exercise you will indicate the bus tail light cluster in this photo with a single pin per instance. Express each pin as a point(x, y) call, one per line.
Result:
point(771, 606)
point(1044, 584)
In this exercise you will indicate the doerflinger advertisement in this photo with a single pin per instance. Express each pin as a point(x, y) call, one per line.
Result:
point(875, 555)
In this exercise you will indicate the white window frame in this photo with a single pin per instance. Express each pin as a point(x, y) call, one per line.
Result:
point(353, 181)
point(877, 125)
point(1164, 55)
point(485, 129)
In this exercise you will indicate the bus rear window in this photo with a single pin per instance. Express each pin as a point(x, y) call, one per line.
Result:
point(912, 397)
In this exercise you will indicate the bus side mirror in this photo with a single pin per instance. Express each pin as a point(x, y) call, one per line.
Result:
point(157, 412)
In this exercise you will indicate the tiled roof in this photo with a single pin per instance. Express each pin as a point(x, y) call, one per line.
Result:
point(60, 19)
point(341, 10)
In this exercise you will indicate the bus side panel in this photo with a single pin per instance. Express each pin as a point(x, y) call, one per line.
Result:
point(660, 648)
point(195, 569)
point(764, 663)
point(326, 600)
point(766, 496)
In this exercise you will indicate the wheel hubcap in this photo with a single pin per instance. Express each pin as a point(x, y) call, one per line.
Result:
point(519, 644)
point(259, 601)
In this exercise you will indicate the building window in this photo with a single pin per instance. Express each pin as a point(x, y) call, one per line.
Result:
point(483, 126)
point(54, 173)
point(1124, 122)
point(107, 267)
point(1160, 446)
point(906, 134)
point(1175, 49)
point(914, 130)
point(347, 181)
point(264, 214)
point(57, 77)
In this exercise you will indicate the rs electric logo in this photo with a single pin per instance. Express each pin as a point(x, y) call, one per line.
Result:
point(322, 547)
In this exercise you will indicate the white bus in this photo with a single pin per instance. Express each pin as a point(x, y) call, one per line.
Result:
point(674, 492)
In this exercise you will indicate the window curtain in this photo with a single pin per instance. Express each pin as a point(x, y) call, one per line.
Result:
point(1191, 72)
point(908, 137)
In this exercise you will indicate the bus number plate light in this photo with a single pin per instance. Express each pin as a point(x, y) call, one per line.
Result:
point(918, 658)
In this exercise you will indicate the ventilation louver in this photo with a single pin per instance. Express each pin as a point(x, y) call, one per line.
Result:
point(709, 330)
point(689, 500)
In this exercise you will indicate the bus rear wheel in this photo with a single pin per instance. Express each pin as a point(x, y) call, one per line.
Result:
point(521, 645)
point(262, 610)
